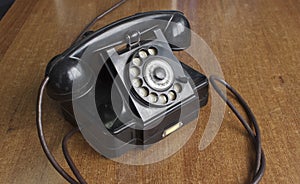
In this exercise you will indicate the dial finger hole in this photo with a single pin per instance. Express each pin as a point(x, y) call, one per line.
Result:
point(153, 97)
point(143, 54)
point(144, 92)
point(178, 88)
point(172, 95)
point(152, 51)
point(134, 71)
point(163, 99)
point(137, 82)
point(137, 61)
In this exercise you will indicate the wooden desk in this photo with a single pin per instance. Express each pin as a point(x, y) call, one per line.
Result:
point(256, 42)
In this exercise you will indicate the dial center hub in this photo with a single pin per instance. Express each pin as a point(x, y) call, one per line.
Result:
point(159, 73)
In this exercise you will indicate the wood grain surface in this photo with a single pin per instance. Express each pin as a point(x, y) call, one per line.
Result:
point(256, 42)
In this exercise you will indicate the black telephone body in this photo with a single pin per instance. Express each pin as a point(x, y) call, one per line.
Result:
point(141, 91)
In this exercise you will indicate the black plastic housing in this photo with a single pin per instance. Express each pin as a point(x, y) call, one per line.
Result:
point(139, 137)
point(171, 31)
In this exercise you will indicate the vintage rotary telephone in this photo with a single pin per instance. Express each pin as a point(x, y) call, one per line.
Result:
point(142, 92)
point(123, 86)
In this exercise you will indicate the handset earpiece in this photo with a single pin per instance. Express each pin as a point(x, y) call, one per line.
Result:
point(62, 72)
